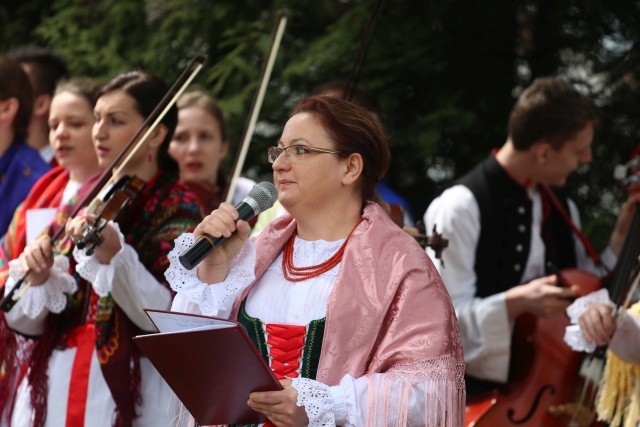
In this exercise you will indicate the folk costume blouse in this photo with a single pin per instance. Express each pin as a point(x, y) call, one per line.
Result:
point(53, 190)
point(390, 350)
point(85, 370)
point(50, 191)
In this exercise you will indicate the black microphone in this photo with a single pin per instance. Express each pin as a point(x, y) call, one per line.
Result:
point(261, 197)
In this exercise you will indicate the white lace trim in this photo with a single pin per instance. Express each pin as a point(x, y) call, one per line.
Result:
point(316, 399)
point(52, 294)
point(573, 335)
point(211, 300)
point(101, 275)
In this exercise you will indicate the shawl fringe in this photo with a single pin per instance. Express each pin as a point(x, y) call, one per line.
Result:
point(37, 376)
point(8, 371)
point(444, 394)
point(618, 401)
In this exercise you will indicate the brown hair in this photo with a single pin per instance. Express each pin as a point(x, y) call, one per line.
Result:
point(46, 67)
point(84, 87)
point(14, 83)
point(148, 90)
point(352, 129)
point(201, 99)
point(551, 110)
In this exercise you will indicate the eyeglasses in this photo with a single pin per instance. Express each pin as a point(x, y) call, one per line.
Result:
point(295, 153)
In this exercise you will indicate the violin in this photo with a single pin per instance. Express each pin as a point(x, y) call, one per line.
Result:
point(120, 196)
point(117, 203)
point(434, 241)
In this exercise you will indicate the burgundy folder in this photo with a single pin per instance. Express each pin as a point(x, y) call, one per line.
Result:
point(210, 364)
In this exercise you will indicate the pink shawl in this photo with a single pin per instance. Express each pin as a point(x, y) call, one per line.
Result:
point(389, 312)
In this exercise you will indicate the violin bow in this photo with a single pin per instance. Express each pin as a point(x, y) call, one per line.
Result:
point(157, 114)
point(256, 104)
point(363, 49)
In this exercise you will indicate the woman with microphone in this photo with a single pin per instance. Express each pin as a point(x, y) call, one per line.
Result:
point(370, 333)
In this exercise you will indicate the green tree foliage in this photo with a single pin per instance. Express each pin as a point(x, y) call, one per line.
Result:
point(445, 73)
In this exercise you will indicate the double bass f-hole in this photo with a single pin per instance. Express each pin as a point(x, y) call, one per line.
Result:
point(534, 406)
point(114, 206)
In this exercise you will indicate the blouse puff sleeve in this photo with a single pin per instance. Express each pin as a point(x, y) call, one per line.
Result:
point(344, 404)
point(625, 342)
point(125, 268)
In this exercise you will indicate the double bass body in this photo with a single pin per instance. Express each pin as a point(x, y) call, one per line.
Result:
point(544, 373)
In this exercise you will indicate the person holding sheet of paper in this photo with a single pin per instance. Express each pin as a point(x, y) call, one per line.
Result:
point(82, 307)
point(346, 306)
point(70, 120)
point(70, 124)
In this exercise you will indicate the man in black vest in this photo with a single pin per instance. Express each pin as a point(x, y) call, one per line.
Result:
point(505, 232)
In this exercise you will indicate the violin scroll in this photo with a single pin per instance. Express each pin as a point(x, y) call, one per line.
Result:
point(434, 241)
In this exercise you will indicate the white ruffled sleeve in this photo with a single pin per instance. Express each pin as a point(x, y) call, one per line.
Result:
point(317, 400)
point(131, 285)
point(29, 313)
point(216, 300)
point(573, 335)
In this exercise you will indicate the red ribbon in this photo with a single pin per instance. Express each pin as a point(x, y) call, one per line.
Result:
point(84, 338)
point(286, 343)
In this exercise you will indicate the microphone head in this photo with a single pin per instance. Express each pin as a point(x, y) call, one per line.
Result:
point(264, 194)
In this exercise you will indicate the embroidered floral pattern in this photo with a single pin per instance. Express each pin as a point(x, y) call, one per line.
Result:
point(316, 399)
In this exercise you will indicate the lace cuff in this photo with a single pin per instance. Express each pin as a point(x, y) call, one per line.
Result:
point(101, 275)
point(573, 335)
point(51, 294)
point(217, 299)
point(316, 399)
point(575, 310)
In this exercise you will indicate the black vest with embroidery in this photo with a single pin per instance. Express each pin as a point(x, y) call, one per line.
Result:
point(505, 229)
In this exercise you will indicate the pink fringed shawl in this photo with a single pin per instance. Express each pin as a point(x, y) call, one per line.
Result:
point(389, 312)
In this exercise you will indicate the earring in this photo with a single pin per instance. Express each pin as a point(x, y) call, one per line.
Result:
point(150, 157)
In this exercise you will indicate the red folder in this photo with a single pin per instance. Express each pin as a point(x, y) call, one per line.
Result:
point(210, 364)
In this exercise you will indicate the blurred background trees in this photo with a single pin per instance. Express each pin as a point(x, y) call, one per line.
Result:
point(445, 73)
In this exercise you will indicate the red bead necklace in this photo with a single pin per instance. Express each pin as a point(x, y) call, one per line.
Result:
point(298, 274)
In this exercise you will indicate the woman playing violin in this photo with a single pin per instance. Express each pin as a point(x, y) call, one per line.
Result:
point(84, 369)
point(337, 280)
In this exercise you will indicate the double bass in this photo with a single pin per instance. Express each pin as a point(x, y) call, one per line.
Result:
point(544, 376)
point(547, 386)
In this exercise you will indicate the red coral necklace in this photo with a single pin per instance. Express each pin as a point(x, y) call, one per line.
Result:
point(298, 274)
